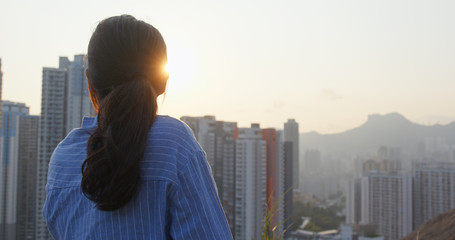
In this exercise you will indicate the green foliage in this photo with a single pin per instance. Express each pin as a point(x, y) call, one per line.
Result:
point(313, 227)
point(298, 212)
point(373, 235)
point(269, 232)
point(321, 219)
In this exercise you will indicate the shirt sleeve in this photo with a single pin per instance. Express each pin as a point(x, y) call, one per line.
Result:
point(195, 209)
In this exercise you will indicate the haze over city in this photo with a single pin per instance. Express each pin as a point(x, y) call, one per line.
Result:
point(311, 119)
point(328, 64)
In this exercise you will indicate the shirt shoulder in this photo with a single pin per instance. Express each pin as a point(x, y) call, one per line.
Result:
point(176, 134)
point(170, 145)
point(172, 126)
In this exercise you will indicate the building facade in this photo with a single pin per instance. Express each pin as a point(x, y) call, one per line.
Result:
point(204, 131)
point(252, 168)
point(353, 204)
point(434, 190)
point(291, 134)
point(17, 182)
point(250, 182)
point(398, 202)
point(288, 193)
point(387, 200)
point(78, 102)
point(52, 131)
point(28, 160)
point(217, 140)
point(275, 176)
point(313, 174)
point(64, 103)
point(224, 170)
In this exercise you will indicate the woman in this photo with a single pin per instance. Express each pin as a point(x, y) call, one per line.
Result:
point(143, 176)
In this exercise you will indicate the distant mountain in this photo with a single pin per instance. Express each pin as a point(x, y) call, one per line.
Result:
point(391, 130)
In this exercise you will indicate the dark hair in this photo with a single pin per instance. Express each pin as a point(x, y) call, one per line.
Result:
point(126, 60)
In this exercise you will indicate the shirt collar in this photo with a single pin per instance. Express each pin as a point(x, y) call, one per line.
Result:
point(89, 122)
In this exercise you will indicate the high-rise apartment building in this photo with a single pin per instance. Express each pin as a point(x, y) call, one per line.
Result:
point(14, 179)
point(312, 177)
point(434, 190)
point(312, 162)
point(288, 193)
point(28, 160)
point(249, 165)
point(353, 204)
point(64, 102)
point(204, 131)
point(397, 202)
point(250, 182)
point(387, 159)
point(52, 131)
point(275, 175)
point(224, 168)
point(387, 202)
point(78, 102)
point(217, 140)
point(291, 134)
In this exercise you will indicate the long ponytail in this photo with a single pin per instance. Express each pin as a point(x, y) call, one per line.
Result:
point(126, 106)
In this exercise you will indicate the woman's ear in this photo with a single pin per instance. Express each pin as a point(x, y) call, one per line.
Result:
point(163, 84)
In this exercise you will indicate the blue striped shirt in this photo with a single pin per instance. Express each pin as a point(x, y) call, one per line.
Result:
point(177, 198)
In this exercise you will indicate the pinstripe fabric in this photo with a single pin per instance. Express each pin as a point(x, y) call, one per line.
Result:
point(177, 198)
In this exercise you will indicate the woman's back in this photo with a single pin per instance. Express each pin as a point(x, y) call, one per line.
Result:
point(176, 198)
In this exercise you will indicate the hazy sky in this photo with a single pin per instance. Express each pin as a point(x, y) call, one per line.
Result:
point(328, 64)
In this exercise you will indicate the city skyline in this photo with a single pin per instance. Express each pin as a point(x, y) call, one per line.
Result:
point(335, 62)
point(298, 106)
point(249, 161)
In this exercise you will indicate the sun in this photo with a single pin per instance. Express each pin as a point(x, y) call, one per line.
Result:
point(180, 66)
point(166, 68)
